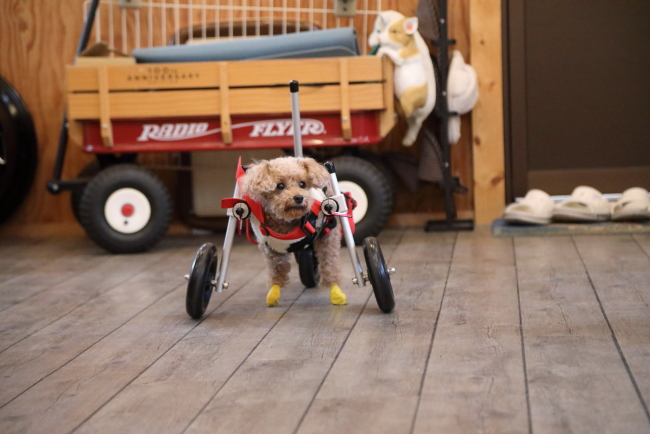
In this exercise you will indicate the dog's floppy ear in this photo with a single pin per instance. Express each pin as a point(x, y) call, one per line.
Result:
point(258, 179)
point(318, 175)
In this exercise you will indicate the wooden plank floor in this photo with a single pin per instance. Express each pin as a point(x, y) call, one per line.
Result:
point(543, 335)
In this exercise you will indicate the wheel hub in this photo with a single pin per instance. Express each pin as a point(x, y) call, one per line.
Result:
point(127, 210)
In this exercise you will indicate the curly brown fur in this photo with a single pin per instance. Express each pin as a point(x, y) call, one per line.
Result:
point(297, 176)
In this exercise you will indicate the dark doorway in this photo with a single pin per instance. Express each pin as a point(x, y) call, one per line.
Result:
point(577, 83)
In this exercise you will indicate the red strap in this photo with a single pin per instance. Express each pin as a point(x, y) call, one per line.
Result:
point(351, 203)
point(230, 202)
point(248, 232)
point(309, 228)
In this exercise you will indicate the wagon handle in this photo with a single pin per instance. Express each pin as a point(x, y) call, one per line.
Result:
point(295, 118)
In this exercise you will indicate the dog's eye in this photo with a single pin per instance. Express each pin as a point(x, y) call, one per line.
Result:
point(301, 184)
point(280, 186)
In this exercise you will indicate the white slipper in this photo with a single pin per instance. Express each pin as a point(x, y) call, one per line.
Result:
point(586, 204)
point(634, 205)
point(535, 209)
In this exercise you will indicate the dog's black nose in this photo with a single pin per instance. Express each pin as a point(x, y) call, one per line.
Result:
point(298, 198)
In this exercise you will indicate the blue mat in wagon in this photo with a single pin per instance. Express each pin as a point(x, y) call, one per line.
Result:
point(341, 42)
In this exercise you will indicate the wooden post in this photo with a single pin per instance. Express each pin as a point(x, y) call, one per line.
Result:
point(106, 128)
point(224, 92)
point(387, 116)
point(487, 116)
point(346, 124)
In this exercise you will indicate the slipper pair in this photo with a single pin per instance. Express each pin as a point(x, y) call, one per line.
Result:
point(586, 204)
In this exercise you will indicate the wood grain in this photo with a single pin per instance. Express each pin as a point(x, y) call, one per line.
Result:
point(35, 357)
point(475, 378)
point(383, 361)
point(487, 116)
point(620, 272)
point(208, 102)
point(102, 273)
point(71, 394)
point(205, 75)
point(292, 361)
point(576, 379)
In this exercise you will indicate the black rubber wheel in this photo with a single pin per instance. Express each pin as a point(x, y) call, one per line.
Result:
point(125, 209)
point(385, 169)
point(89, 171)
point(18, 150)
point(199, 287)
point(308, 267)
point(378, 275)
point(376, 188)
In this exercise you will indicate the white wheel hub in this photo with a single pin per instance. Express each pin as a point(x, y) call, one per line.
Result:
point(127, 210)
point(359, 195)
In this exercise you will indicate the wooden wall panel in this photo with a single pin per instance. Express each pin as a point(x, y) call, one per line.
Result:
point(37, 40)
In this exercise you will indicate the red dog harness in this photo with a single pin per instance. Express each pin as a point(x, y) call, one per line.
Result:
point(312, 226)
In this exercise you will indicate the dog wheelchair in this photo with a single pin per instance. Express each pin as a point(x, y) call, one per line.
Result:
point(207, 274)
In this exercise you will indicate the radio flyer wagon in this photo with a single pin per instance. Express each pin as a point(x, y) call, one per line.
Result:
point(205, 276)
point(118, 111)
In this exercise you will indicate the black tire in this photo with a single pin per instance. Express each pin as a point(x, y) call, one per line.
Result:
point(145, 231)
point(378, 275)
point(385, 169)
point(18, 150)
point(199, 286)
point(89, 171)
point(308, 267)
point(376, 188)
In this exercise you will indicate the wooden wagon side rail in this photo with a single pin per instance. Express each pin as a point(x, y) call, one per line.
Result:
point(230, 88)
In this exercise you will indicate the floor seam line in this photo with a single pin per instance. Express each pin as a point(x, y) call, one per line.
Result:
point(433, 335)
point(521, 337)
point(159, 357)
point(90, 346)
point(613, 335)
point(153, 264)
point(242, 363)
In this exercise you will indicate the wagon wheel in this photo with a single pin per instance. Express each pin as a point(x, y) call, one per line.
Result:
point(200, 286)
point(308, 267)
point(125, 209)
point(372, 192)
point(90, 170)
point(378, 275)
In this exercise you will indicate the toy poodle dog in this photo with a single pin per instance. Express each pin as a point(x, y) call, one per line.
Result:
point(285, 189)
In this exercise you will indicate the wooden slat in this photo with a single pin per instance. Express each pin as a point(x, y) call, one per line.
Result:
point(346, 123)
point(106, 128)
point(475, 377)
point(387, 116)
point(206, 74)
point(487, 116)
point(33, 358)
point(620, 271)
point(183, 380)
point(373, 387)
point(576, 379)
point(67, 397)
point(291, 361)
point(102, 273)
point(208, 102)
point(226, 131)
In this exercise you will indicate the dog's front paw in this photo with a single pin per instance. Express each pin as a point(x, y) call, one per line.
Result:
point(336, 296)
point(273, 297)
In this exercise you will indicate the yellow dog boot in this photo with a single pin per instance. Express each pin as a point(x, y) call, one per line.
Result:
point(273, 297)
point(336, 296)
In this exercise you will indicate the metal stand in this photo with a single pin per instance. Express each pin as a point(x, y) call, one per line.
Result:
point(449, 183)
point(56, 185)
